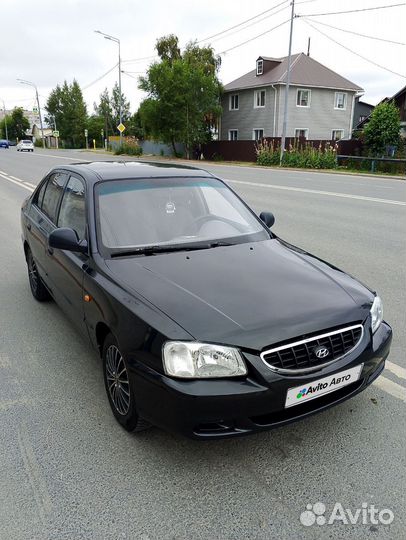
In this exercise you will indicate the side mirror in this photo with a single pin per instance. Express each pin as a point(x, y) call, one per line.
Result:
point(268, 218)
point(65, 238)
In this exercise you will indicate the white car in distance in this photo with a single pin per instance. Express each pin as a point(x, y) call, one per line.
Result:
point(25, 145)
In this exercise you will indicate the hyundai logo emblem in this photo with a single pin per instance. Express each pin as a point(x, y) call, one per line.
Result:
point(321, 351)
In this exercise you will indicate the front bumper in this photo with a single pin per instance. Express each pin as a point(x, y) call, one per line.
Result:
point(219, 408)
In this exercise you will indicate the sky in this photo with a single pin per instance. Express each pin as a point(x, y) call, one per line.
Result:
point(48, 41)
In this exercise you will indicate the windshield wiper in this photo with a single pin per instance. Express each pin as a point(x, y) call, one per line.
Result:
point(152, 250)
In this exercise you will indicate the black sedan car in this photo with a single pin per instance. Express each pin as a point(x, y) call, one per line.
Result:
point(207, 323)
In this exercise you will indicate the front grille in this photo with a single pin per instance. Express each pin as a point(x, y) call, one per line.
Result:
point(300, 355)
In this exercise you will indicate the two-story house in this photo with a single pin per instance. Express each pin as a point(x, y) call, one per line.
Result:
point(320, 102)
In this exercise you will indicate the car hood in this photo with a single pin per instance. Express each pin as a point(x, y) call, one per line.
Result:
point(247, 295)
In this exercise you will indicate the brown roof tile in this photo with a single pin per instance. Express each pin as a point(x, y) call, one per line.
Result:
point(305, 71)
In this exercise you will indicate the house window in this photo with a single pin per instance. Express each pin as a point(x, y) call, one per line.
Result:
point(303, 98)
point(302, 132)
point(340, 100)
point(361, 118)
point(259, 98)
point(257, 134)
point(234, 102)
point(233, 134)
point(337, 134)
point(260, 67)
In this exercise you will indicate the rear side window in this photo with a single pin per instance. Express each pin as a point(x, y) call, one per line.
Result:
point(72, 212)
point(52, 195)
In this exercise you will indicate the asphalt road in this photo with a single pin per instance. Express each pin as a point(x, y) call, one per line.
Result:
point(67, 469)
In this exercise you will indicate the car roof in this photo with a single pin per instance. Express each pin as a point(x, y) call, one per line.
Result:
point(121, 169)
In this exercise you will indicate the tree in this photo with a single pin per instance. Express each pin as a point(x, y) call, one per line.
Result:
point(104, 110)
point(115, 105)
point(67, 105)
point(17, 124)
point(135, 127)
point(183, 90)
point(109, 109)
point(7, 119)
point(383, 128)
point(95, 127)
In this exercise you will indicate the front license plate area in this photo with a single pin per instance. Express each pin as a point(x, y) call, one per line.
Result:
point(321, 387)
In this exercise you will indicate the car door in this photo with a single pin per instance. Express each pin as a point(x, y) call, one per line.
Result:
point(41, 219)
point(66, 268)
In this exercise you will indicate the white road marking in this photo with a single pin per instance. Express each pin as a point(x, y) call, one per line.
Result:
point(29, 184)
point(15, 178)
point(2, 172)
point(318, 192)
point(17, 182)
point(397, 370)
point(59, 157)
point(392, 388)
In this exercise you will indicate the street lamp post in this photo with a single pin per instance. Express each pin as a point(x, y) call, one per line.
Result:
point(22, 81)
point(57, 143)
point(116, 40)
point(5, 118)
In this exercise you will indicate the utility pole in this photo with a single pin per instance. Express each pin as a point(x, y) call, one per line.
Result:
point(22, 81)
point(5, 118)
point(285, 112)
point(116, 40)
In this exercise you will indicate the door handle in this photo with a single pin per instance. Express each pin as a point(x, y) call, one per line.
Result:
point(50, 250)
point(29, 226)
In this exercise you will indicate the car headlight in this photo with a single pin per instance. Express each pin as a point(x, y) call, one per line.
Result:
point(201, 360)
point(376, 314)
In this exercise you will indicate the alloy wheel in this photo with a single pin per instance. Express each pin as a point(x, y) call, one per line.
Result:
point(32, 273)
point(117, 380)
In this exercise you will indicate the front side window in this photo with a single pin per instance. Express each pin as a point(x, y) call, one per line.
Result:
point(52, 195)
point(340, 100)
point(302, 132)
point(258, 134)
point(303, 98)
point(171, 211)
point(72, 213)
point(259, 98)
point(337, 134)
point(233, 134)
point(234, 102)
point(40, 194)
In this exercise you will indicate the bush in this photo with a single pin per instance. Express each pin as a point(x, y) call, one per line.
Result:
point(129, 149)
point(38, 143)
point(297, 155)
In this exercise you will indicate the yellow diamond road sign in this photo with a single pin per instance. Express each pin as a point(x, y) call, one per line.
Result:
point(121, 128)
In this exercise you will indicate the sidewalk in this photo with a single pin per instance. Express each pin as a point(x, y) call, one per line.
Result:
point(202, 163)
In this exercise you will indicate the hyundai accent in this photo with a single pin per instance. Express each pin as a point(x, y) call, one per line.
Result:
point(207, 323)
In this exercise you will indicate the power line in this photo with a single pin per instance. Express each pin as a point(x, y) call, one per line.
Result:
point(255, 37)
point(351, 11)
point(356, 33)
point(134, 60)
point(249, 25)
point(99, 78)
point(353, 52)
point(243, 22)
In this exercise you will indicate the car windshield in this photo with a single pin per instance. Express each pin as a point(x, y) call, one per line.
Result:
point(172, 211)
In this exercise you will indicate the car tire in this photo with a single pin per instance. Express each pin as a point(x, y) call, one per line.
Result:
point(38, 289)
point(120, 388)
